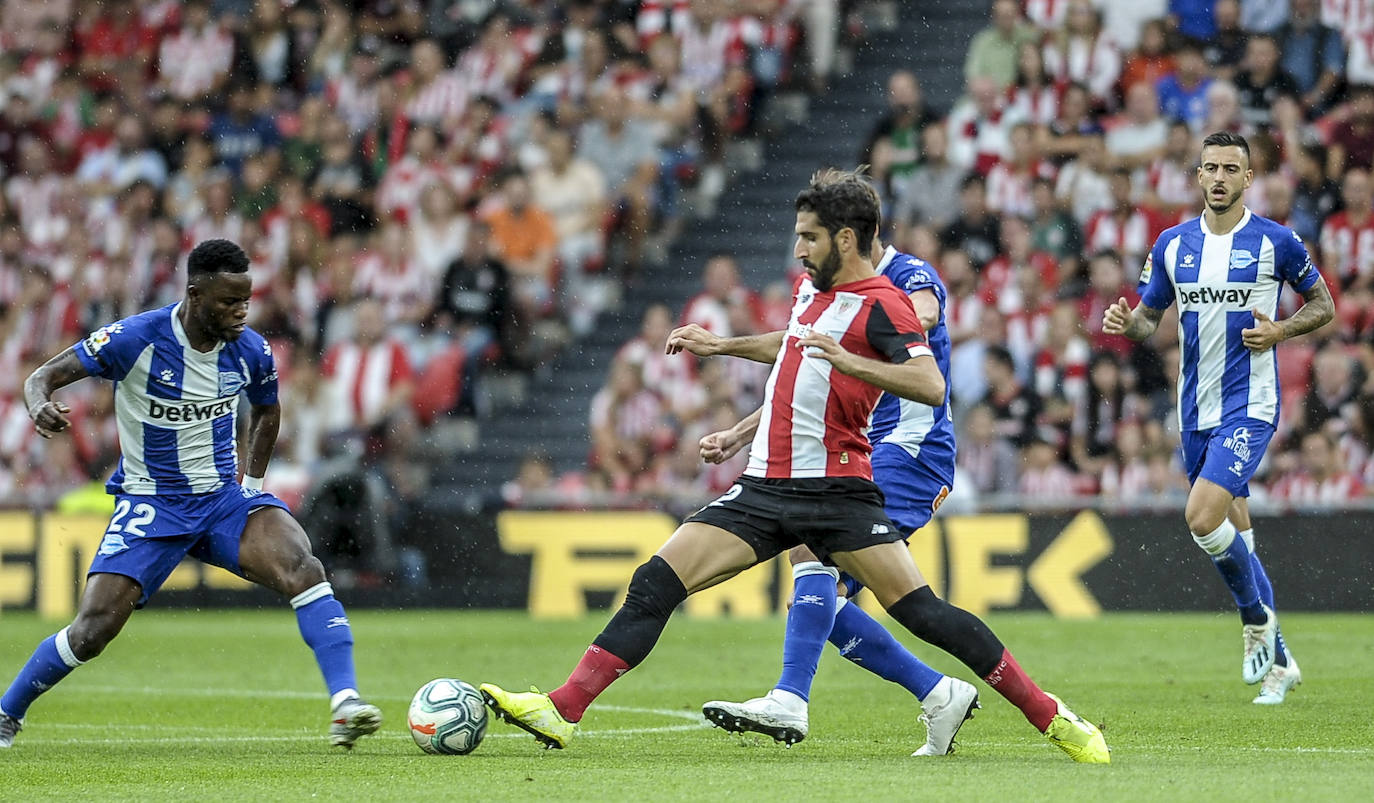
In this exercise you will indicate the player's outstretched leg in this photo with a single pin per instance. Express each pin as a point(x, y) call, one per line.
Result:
point(274, 552)
point(697, 556)
point(654, 593)
point(946, 702)
point(106, 605)
point(782, 713)
point(1285, 675)
point(892, 575)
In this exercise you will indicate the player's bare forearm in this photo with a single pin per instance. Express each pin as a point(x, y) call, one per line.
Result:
point(759, 348)
point(749, 425)
point(58, 372)
point(50, 417)
point(264, 420)
point(918, 380)
point(1144, 321)
point(1317, 312)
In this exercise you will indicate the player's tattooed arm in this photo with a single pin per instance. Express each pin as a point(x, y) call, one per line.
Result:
point(50, 417)
point(1318, 309)
point(264, 420)
point(1137, 324)
point(705, 343)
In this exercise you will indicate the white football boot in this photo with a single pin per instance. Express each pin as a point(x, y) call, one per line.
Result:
point(945, 710)
point(1260, 649)
point(1279, 681)
point(779, 714)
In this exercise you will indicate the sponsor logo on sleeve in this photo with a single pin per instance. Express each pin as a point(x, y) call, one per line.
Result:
point(1147, 269)
point(100, 338)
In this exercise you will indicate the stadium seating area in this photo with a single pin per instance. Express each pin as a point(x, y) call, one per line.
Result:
point(442, 195)
point(1038, 196)
point(431, 192)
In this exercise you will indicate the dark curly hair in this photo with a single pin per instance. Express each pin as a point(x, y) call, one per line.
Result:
point(215, 256)
point(842, 199)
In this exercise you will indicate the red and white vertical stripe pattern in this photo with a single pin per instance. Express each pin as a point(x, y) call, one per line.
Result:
point(361, 378)
point(815, 419)
point(1131, 237)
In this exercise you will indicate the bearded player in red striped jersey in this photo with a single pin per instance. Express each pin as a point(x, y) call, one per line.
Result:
point(853, 335)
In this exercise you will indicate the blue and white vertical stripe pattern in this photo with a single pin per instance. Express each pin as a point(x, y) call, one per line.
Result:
point(920, 429)
point(176, 408)
point(1217, 280)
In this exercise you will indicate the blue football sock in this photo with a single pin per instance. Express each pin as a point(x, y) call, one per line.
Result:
point(324, 626)
point(1232, 558)
point(867, 643)
point(1266, 592)
point(808, 623)
point(52, 661)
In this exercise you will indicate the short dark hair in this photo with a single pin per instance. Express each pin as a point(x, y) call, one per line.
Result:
point(1227, 139)
point(842, 199)
point(215, 256)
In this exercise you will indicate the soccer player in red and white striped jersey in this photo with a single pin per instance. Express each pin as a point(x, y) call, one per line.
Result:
point(852, 335)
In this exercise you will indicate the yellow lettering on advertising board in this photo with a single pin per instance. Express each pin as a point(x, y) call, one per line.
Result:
point(66, 545)
point(975, 584)
point(17, 536)
point(1057, 575)
point(574, 553)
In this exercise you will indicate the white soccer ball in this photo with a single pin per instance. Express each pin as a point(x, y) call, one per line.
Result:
point(447, 717)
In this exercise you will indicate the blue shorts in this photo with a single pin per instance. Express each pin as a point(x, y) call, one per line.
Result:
point(149, 535)
point(1227, 455)
point(913, 490)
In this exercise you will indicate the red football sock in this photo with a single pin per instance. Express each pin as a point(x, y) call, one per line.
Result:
point(1013, 683)
point(597, 670)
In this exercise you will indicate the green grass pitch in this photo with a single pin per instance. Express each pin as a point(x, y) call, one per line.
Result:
point(228, 706)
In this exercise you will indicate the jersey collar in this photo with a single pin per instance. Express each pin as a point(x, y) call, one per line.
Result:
point(888, 255)
point(1244, 219)
point(179, 332)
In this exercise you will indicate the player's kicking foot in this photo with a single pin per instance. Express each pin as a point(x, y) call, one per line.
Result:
point(779, 714)
point(1260, 649)
point(946, 709)
point(353, 719)
point(1279, 681)
point(9, 728)
point(1077, 736)
point(531, 711)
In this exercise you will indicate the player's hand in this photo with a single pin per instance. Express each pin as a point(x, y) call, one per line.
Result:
point(717, 447)
point(1116, 318)
point(824, 347)
point(50, 417)
point(1264, 336)
point(696, 339)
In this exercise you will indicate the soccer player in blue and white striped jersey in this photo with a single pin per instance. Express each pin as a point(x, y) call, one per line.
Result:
point(178, 372)
point(1226, 270)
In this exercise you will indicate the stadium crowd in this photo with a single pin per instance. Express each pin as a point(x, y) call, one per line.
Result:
point(428, 190)
point(1038, 197)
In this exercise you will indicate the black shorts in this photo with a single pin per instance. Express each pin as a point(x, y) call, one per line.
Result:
point(827, 514)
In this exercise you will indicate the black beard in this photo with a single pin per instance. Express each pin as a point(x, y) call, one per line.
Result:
point(825, 274)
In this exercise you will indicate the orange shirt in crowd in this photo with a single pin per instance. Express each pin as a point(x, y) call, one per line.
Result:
point(521, 236)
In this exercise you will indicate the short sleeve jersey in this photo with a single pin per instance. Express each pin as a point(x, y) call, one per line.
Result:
point(175, 407)
point(1217, 279)
point(815, 419)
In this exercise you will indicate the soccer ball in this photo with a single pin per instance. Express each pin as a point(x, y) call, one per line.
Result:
point(447, 717)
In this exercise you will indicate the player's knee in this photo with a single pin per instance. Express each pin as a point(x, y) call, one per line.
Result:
point(1203, 521)
point(655, 589)
point(800, 554)
point(304, 572)
point(90, 633)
